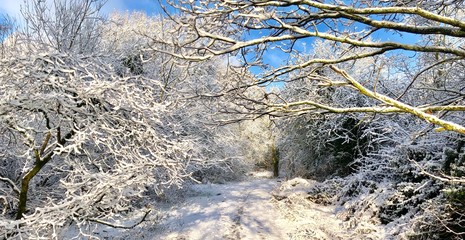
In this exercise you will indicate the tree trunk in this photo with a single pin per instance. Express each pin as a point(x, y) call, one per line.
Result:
point(39, 164)
point(275, 160)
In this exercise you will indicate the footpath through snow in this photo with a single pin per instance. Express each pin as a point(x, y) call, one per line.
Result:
point(248, 210)
point(259, 207)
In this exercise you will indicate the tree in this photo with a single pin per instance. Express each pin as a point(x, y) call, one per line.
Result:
point(252, 28)
point(80, 142)
point(7, 27)
point(86, 138)
point(225, 149)
point(82, 136)
point(391, 70)
point(67, 26)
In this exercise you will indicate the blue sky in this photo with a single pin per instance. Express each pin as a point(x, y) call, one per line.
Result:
point(273, 57)
point(12, 7)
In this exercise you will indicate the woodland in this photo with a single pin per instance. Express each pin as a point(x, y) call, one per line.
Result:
point(106, 116)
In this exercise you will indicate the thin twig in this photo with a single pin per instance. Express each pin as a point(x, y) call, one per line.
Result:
point(120, 226)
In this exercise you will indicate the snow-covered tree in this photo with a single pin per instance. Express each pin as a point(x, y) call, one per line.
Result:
point(81, 142)
point(253, 28)
point(392, 70)
point(67, 26)
point(89, 130)
point(7, 27)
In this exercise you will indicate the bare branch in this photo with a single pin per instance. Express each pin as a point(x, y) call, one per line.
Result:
point(121, 226)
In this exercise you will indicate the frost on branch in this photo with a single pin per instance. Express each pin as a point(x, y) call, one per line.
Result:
point(88, 140)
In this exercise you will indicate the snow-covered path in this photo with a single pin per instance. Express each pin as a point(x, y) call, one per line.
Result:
point(240, 210)
point(259, 207)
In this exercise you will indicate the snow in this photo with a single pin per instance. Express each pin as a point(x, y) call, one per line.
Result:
point(248, 209)
point(259, 207)
point(237, 210)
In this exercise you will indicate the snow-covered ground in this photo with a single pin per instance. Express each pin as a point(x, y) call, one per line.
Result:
point(259, 207)
point(239, 210)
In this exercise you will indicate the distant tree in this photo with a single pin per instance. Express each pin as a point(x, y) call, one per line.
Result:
point(225, 149)
point(67, 26)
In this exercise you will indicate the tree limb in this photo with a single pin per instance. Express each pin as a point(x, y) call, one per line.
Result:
point(447, 125)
